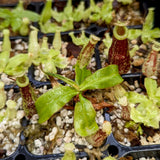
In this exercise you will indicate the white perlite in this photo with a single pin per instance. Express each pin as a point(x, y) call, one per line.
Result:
point(52, 134)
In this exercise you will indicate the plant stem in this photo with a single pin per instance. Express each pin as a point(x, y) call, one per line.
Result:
point(53, 81)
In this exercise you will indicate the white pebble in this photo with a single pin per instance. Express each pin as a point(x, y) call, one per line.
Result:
point(90, 146)
point(70, 120)
point(53, 134)
point(64, 113)
point(36, 72)
point(20, 114)
point(37, 143)
point(1, 136)
point(58, 121)
point(18, 40)
point(19, 47)
point(138, 90)
point(101, 120)
point(67, 139)
point(56, 151)
point(34, 119)
point(136, 84)
point(126, 130)
point(69, 113)
point(69, 134)
point(61, 148)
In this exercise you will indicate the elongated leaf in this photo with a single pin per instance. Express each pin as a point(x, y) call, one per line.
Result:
point(84, 118)
point(67, 80)
point(81, 74)
point(53, 100)
point(21, 13)
point(103, 78)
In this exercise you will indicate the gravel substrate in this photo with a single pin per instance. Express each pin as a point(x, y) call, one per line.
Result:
point(10, 129)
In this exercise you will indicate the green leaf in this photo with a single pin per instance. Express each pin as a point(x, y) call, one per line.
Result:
point(82, 40)
point(58, 16)
point(46, 12)
point(134, 33)
point(16, 23)
point(5, 13)
point(125, 2)
point(81, 74)
point(103, 78)
point(69, 152)
point(53, 100)
point(107, 7)
point(84, 118)
point(146, 113)
point(69, 156)
point(32, 16)
point(158, 92)
point(18, 65)
point(48, 27)
point(60, 61)
point(79, 12)
point(109, 158)
point(65, 79)
point(68, 10)
point(155, 33)
point(5, 24)
point(49, 66)
point(151, 87)
point(145, 110)
point(134, 97)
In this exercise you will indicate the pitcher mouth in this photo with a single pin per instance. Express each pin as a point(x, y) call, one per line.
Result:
point(120, 32)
